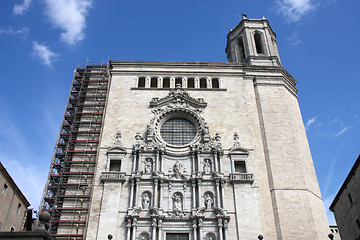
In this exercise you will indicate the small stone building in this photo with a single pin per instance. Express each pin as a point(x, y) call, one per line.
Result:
point(13, 204)
point(346, 205)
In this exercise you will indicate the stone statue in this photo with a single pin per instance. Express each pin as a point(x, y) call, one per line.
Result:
point(177, 168)
point(177, 202)
point(207, 166)
point(150, 130)
point(118, 139)
point(146, 201)
point(208, 201)
point(147, 165)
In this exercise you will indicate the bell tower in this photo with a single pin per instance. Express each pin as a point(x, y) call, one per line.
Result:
point(253, 42)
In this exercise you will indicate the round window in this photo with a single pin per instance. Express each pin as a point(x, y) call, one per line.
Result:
point(178, 131)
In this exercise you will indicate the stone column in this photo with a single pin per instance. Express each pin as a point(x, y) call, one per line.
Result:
point(137, 192)
point(198, 161)
point(193, 162)
point(156, 167)
point(154, 226)
point(160, 162)
point(160, 229)
point(218, 156)
point(134, 225)
point(132, 193)
point(161, 192)
point(194, 230)
point(220, 225)
point(222, 192)
point(217, 193)
point(193, 194)
point(135, 159)
point(225, 230)
point(200, 229)
point(215, 161)
point(138, 162)
point(155, 197)
point(128, 230)
point(199, 193)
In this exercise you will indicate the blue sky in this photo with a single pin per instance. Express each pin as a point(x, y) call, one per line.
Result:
point(42, 42)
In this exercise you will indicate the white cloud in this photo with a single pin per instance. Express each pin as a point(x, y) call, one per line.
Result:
point(342, 131)
point(11, 31)
point(44, 54)
point(20, 9)
point(309, 123)
point(294, 10)
point(293, 39)
point(69, 16)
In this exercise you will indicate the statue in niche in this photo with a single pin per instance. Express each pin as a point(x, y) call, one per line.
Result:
point(147, 165)
point(177, 168)
point(145, 201)
point(177, 202)
point(207, 166)
point(208, 201)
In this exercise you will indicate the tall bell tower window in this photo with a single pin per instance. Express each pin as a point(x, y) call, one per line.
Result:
point(258, 43)
point(241, 49)
point(178, 131)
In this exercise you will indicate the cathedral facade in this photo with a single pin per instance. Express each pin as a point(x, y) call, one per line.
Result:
point(189, 150)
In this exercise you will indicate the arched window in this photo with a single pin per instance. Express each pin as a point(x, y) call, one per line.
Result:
point(258, 43)
point(241, 49)
point(166, 82)
point(215, 83)
point(190, 83)
point(202, 82)
point(153, 82)
point(178, 81)
point(141, 83)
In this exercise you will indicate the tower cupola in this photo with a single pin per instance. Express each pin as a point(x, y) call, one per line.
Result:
point(253, 42)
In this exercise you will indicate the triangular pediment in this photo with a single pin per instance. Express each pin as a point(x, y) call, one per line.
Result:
point(178, 96)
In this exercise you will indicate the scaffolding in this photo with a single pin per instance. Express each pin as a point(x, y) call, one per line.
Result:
point(68, 190)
